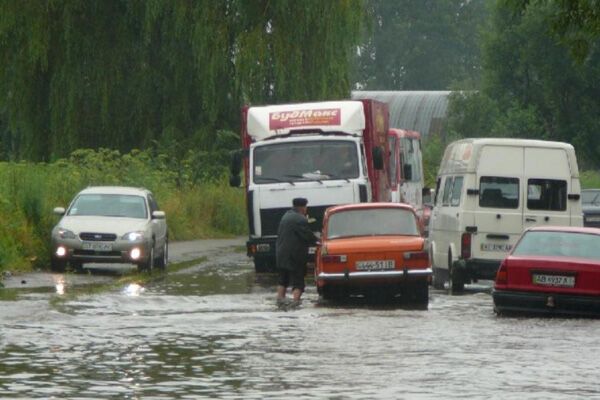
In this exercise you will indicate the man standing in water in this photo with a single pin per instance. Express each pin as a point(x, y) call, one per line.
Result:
point(293, 239)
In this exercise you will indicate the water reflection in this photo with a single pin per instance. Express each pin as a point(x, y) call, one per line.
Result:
point(133, 289)
point(59, 285)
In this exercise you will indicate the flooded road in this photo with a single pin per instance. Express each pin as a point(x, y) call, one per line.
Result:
point(213, 331)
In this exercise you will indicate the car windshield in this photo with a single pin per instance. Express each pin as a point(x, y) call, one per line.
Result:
point(372, 222)
point(303, 161)
point(565, 244)
point(590, 197)
point(109, 205)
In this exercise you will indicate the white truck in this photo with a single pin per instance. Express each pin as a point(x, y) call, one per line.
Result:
point(331, 153)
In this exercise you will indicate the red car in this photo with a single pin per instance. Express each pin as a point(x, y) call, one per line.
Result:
point(551, 270)
point(372, 248)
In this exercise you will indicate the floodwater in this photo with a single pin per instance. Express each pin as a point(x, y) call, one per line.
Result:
point(213, 331)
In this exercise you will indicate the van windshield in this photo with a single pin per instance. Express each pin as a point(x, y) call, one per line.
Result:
point(304, 161)
point(498, 192)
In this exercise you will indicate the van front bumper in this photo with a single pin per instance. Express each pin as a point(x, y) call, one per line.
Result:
point(263, 249)
point(506, 301)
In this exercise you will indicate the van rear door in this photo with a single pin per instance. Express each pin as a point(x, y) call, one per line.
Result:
point(499, 212)
point(547, 183)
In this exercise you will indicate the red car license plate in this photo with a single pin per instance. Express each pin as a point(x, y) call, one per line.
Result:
point(554, 280)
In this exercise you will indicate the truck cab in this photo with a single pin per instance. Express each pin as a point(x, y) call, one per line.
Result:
point(327, 152)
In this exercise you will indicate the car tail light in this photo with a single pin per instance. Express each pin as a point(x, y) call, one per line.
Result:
point(416, 255)
point(334, 258)
point(252, 249)
point(502, 275)
point(465, 246)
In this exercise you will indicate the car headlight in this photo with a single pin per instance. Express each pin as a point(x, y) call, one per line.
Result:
point(65, 234)
point(133, 236)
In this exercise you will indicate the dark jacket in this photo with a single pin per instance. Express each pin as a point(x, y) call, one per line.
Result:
point(293, 239)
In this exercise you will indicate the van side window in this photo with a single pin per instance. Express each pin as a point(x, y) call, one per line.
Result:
point(498, 192)
point(456, 191)
point(546, 194)
point(437, 191)
point(447, 191)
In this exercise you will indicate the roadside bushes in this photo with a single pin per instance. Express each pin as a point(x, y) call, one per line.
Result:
point(196, 207)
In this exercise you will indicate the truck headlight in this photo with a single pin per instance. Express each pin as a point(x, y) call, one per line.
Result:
point(133, 236)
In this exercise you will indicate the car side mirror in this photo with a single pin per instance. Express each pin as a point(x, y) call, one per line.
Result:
point(59, 211)
point(158, 215)
point(407, 172)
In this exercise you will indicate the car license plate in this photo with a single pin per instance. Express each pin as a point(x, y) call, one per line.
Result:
point(554, 280)
point(375, 265)
point(496, 247)
point(312, 250)
point(97, 246)
point(593, 219)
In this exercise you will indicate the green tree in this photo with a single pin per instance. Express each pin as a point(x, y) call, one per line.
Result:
point(531, 87)
point(129, 74)
point(575, 22)
point(421, 45)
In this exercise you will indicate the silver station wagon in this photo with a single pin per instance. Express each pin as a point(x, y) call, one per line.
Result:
point(110, 224)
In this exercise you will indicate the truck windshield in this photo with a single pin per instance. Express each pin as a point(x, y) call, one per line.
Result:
point(302, 161)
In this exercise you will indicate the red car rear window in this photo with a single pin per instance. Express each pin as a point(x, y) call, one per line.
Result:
point(562, 244)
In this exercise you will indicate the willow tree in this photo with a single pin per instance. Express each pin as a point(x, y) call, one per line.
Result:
point(129, 73)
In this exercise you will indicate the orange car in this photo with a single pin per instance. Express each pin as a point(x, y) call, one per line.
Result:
point(370, 247)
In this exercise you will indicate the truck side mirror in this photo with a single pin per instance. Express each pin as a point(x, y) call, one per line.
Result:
point(378, 158)
point(236, 162)
point(407, 172)
point(235, 181)
point(235, 169)
point(426, 194)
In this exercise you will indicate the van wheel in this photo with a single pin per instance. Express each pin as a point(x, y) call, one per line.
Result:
point(455, 281)
point(438, 279)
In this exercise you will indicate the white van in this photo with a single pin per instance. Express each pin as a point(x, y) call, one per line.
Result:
point(487, 192)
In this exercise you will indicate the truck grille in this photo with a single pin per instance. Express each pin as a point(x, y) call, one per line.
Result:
point(98, 237)
point(270, 218)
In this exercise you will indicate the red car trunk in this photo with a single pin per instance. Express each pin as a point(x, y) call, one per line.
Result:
point(565, 275)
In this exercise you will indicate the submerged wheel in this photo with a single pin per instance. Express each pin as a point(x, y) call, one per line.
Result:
point(455, 280)
point(58, 265)
point(438, 279)
point(162, 261)
point(330, 292)
point(149, 264)
point(418, 293)
point(262, 266)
